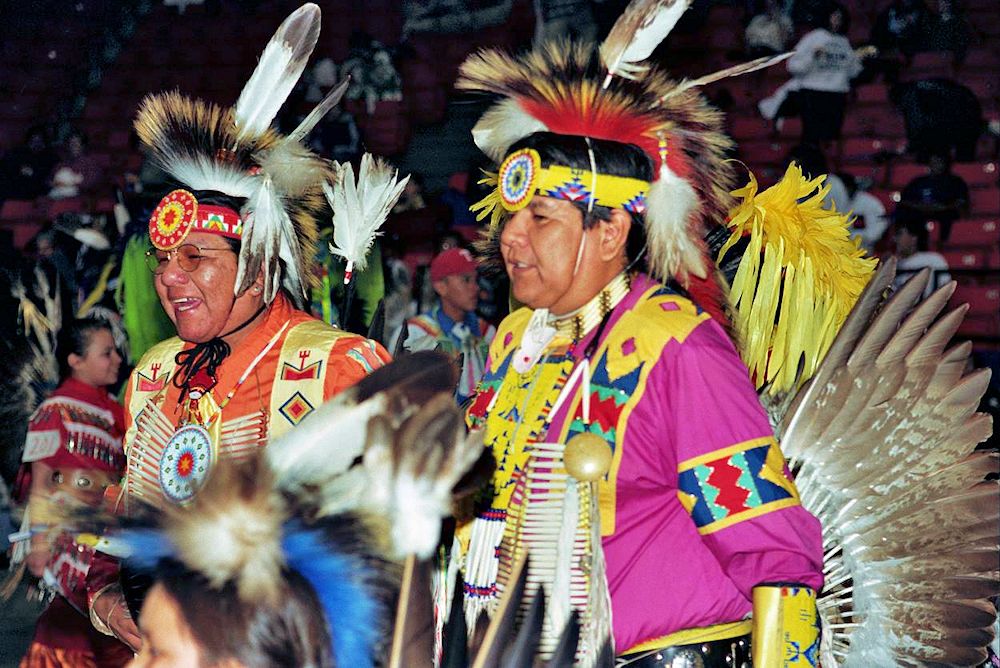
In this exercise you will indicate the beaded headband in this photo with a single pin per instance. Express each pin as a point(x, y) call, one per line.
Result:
point(521, 177)
point(178, 214)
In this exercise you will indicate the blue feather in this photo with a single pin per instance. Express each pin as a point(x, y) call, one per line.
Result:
point(147, 546)
point(338, 579)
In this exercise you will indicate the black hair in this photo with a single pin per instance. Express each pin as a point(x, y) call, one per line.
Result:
point(845, 18)
point(613, 158)
point(287, 633)
point(918, 228)
point(74, 338)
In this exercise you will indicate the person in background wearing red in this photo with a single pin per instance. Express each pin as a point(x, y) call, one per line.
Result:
point(73, 451)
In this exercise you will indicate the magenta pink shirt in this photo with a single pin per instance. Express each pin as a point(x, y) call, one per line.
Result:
point(698, 507)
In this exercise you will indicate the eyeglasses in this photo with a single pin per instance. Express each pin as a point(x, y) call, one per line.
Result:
point(189, 257)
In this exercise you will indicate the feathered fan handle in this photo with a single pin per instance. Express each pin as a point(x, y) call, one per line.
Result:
point(641, 27)
point(279, 69)
point(734, 71)
point(319, 111)
point(360, 209)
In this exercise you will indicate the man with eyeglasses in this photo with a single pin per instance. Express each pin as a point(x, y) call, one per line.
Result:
point(230, 264)
point(244, 368)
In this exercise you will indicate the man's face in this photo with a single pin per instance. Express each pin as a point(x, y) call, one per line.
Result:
point(460, 292)
point(201, 303)
point(539, 245)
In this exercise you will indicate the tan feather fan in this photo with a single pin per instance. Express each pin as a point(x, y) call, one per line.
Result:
point(882, 443)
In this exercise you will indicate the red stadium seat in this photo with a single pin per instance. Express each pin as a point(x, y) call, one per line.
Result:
point(966, 258)
point(748, 127)
point(876, 93)
point(984, 201)
point(18, 209)
point(889, 198)
point(983, 300)
point(68, 205)
point(762, 152)
point(22, 231)
point(930, 64)
point(984, 58)
point(977, 174)
point(979, 326)
point(427, 105)
point(978, 232)
point(104, 205)
point(861, 148)
point(902, 173)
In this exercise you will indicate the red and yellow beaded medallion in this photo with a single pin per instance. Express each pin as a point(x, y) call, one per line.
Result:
point(173, 219)
point(518, 178)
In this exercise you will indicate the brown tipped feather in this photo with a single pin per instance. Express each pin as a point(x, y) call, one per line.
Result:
point(883, 443)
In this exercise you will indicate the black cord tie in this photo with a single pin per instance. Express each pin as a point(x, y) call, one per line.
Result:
point(197, 366)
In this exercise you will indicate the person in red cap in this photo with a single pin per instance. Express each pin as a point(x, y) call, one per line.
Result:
point(72, 452)
point(453, 326)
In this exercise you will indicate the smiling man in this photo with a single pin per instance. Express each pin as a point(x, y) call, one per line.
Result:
point(229, 264)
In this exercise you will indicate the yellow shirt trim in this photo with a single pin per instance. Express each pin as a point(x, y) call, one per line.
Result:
point(694, 636)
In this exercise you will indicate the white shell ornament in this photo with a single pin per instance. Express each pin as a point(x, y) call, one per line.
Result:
point(186, 462)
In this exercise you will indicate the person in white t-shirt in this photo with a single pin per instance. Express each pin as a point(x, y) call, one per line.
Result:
point(822, 68)
point(870, 221)
point(912, 255)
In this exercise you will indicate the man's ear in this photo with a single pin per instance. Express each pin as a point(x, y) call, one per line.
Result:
point(257, 287)
point(614, 234)
point(439, 286)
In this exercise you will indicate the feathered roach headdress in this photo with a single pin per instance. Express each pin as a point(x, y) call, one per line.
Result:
point(610, 93)
point(341, 504)
point(234, 151)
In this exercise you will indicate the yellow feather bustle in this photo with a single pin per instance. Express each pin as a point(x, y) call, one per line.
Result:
point(797, 281)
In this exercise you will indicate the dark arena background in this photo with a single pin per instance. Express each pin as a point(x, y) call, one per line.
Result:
point(74, 183)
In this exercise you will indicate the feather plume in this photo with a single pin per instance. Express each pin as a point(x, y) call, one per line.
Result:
point(734, 71)
point(353, 582)
point(501, 126)
point(281, 64)
point(319, 111)
point(305, 457)
point(801, 272)
point(184, 136)
point(671, 206)
point(639, 30)
point(267, 238)
point(233, 531)
point(553, 88)
point(295, 170)
point(413, 464)
point(359, 209)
